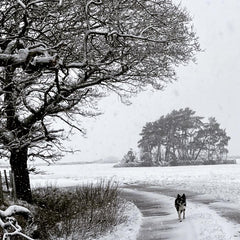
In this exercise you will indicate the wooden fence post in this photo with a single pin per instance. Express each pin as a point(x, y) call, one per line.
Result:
point(6, 179)
point(1, 188)
point(12, 186)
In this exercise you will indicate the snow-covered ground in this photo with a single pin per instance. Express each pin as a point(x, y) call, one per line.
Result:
point(220, 182)
point(201, 223)
point(129, 229)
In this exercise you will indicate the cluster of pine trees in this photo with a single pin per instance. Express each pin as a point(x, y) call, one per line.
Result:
point(181, 137)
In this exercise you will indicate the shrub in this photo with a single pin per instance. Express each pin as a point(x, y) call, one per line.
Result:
point(130, 157)
point(77, 213)
point(146, 159)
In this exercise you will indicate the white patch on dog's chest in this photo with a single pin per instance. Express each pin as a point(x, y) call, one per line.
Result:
point(181, 207)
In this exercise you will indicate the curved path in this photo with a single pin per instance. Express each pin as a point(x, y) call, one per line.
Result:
point(206, 218)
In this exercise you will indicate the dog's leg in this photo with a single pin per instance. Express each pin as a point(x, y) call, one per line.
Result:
point(179, 216)
point(184, 214)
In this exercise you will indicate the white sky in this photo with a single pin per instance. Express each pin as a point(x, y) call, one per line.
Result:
point(211, 88)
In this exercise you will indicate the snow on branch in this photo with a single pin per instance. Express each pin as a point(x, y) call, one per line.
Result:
point(60, 3)
point(15, 210)
point(7, 221)
point(22, 4)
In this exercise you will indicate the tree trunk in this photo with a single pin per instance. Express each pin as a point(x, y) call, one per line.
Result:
point(159, 156)
point(18, 161)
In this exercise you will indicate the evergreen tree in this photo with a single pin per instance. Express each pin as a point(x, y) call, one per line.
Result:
point(183, 136)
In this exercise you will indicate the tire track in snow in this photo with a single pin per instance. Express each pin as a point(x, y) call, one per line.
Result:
point(160, 218)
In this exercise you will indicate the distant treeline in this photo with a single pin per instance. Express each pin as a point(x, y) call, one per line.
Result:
point(181, 138)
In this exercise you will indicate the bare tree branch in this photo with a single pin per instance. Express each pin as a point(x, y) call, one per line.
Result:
point(59, 58)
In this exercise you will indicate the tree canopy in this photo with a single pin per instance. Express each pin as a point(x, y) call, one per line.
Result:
point(57, 58)
point(183, 136)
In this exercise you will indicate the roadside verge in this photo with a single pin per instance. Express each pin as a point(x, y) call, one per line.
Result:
point(130, 228)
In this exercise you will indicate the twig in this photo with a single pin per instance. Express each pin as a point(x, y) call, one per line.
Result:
point(17, 230)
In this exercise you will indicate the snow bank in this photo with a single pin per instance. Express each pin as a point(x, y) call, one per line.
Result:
point(130, 228)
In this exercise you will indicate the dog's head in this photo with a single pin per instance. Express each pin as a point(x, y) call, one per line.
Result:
point(181, 200)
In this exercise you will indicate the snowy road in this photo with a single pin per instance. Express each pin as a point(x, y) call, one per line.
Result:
point(206, 218)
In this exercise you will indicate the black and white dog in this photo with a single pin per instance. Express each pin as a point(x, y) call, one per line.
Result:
point(180, 204)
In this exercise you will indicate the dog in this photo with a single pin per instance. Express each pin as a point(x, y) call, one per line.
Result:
point(180, 205)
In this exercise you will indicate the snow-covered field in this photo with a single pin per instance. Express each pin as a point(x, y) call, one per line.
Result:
point(220, 182)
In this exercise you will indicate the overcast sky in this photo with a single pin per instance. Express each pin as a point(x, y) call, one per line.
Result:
point(211, 88)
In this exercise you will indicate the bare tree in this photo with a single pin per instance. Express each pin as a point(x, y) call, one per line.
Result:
point(57, 58)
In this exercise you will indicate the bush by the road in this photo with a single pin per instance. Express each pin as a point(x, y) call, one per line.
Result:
point(77, 213)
